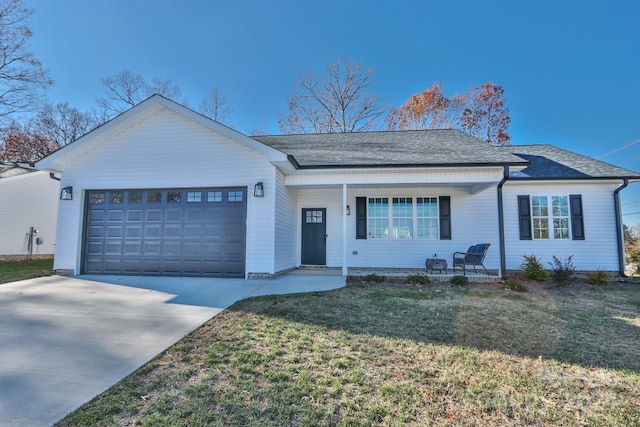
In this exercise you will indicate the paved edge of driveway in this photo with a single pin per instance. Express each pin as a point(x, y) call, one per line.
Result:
point(64, 340)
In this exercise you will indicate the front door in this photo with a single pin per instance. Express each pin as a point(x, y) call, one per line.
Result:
point(314, 236)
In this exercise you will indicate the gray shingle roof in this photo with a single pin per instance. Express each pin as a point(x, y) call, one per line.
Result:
point(14, 169)
point(435, 147)
point(551, 162)
point(438, 147)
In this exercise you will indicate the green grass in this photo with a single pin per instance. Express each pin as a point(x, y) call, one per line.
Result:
point(396, 355)
point(11, 271)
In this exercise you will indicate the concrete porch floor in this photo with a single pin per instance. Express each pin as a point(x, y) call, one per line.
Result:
point(474, 276)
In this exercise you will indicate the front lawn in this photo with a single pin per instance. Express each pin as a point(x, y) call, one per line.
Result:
point(11, 271)
point(396, 355)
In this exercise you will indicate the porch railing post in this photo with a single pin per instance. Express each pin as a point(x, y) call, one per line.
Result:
point(345, 268)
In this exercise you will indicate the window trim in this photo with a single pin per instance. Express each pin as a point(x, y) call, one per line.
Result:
point(364, 211)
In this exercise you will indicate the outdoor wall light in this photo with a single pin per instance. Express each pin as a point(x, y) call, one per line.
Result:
point(66, 193)
point(348, 210)
point(258, 190)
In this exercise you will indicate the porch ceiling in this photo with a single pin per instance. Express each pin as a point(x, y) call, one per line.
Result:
point(473, 187)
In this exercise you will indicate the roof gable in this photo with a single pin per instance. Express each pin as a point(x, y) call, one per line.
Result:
point(130, 118)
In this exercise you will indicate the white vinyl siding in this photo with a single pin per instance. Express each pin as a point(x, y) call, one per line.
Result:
point(286, 225)
point(599, 248)
point(28, 200)
point(167, 150)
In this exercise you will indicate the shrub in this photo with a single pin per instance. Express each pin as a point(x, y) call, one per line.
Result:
point(634, 258)
point(598, 277)
point(459, 281)
point(514, 285)
point(373, 278)
point(562, 270)
point(418, 279)
point(533, 269)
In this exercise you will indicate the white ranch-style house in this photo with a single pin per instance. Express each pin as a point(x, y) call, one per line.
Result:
point(163, 190)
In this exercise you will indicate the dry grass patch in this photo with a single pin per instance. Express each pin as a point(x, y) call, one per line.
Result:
point(394, 355)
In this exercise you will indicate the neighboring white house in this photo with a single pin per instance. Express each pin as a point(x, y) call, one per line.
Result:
point(162, 190)
point(28, 211)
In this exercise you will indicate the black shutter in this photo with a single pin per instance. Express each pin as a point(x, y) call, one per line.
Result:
point(577, 220)
point(524, 216)
point(445, 217)
point(361, 217)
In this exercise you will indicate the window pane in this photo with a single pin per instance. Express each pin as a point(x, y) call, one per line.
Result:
point(314, 217)
point(427, 228)
point(540, 228)
point(539, 206)
point(174, 197)
point(234, 196)
point(560, 228)
point(560, 206)
point(154, 197)
point(135, 196)
point(97, 197)
point(402, 217)
point(378, 218)
point(115, 197)
point(427, 211)
point(378, 228)
point(214, 196)
point(194, 196)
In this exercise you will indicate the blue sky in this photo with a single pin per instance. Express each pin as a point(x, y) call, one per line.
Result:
point(570, 69)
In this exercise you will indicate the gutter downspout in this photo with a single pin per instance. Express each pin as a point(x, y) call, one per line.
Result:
point(53, 176)
point(619, 227)
point(503, 255)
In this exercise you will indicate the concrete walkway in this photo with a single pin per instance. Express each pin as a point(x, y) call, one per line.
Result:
point(63, 340)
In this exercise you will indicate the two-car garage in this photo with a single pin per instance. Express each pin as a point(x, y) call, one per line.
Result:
point(177, 232)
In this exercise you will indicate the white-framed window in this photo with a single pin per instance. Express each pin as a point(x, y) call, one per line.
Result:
point(427, 217)
point(550, 223)
point(403, 218)
point(378, 221)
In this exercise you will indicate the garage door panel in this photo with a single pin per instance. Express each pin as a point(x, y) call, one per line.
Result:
point(96, 231)
point(133, 231)
point(153, 215)
point(115, 231)
point(153, 231)
point(174, 215)
point(199, 232)
point(172, 231)
point(97, 215)
point(132, 248)
point(134, 215)
point(115, 215)
point(113, 248)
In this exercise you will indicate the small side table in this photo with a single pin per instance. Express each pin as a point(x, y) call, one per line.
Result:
point(436, 264)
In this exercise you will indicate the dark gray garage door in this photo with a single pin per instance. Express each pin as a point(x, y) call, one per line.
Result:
point(177, 232)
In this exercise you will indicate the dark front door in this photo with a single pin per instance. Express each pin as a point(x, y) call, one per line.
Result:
point(314, 236)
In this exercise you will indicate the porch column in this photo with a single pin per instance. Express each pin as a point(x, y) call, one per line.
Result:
point(345, 268)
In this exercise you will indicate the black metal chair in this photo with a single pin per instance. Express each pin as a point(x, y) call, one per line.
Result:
point(474, 256)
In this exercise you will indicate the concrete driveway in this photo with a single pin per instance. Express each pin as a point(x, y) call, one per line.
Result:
point(63, 340)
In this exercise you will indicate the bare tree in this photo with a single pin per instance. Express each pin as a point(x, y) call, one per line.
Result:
point(126, 89)
point(22, 77)
point(214, 105)
point(62, 123)
point(340, 101)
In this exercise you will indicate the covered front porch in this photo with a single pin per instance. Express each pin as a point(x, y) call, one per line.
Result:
point(395, 244)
